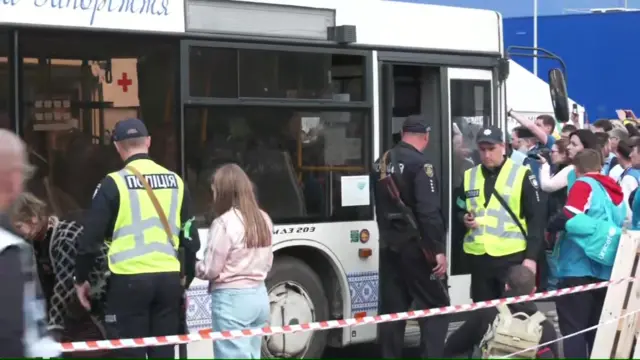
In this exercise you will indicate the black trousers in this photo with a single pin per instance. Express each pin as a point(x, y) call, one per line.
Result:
point(406, 277)
point(84, 327)
point(143, 305)
point(488, 275)
point(577, 312)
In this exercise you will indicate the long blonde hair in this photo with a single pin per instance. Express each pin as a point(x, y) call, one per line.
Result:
point(232, 188)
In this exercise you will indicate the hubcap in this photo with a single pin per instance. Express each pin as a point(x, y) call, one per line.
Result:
point(290, 305)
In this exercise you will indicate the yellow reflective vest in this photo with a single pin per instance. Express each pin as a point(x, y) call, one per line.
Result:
point(139, 244)
point(497, 234)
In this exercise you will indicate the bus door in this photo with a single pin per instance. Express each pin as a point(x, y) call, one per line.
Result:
point(471, 104)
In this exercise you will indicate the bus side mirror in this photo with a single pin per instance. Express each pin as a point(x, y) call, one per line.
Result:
point(559, 97)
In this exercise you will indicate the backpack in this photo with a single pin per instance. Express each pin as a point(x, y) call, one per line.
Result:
point(599, 238)
point(511, 333)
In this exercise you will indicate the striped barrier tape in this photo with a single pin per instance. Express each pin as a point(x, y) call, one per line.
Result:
point(325, 325)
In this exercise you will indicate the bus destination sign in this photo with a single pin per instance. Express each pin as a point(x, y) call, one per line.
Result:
point(130, 15)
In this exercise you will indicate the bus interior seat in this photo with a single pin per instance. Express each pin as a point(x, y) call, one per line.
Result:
point(279, 193)
point(40, 185)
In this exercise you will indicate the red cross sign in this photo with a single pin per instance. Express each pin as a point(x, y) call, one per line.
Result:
point(125, 82)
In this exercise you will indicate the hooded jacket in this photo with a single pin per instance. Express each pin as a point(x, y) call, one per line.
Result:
point(583, 199)
point(469, 335)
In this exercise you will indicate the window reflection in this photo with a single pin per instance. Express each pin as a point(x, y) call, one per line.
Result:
point(470, 111)
point(470, 108)
point(73, 99)
point(244, 73)
point(295, 158)
point(5, 119)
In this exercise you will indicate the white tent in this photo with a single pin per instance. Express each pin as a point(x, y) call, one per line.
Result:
point(527, 94)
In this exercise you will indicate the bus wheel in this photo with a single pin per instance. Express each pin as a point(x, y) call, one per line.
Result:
point(296, 296)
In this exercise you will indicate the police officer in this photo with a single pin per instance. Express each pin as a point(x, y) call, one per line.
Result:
point(500, 206)
point(412, 253)
point(141, 209)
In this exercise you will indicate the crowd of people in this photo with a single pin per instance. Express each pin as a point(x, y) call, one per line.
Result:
point(588, 179)
point(537, 208)
point(543, 209)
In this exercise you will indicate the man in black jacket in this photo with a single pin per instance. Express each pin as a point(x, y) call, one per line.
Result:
point(520, 281)
point(412, 252)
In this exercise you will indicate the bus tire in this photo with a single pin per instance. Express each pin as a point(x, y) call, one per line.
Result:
point(291, 278)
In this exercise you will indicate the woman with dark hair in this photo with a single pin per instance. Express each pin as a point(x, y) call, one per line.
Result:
point(554, 177)
point(554, 180)
point(563, 181)
point(579, 140)
point(630, 177)
point(564, 174)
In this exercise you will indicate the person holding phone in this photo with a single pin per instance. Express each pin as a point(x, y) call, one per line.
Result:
point(528, 145)
point(500, 206)
point(542, 128)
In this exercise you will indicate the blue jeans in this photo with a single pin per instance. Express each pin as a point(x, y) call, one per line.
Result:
point(237, 309)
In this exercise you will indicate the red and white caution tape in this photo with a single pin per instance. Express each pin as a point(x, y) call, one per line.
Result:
point(324, 325)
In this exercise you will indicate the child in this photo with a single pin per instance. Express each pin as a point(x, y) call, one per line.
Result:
point(595, 206)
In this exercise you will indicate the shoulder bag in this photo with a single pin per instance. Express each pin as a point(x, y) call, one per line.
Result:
point(511, 213)
point(163, 219)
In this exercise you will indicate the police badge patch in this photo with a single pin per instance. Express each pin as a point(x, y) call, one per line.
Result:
point(472, 193)
point(534, 181)
point(428, 169)
point(95, 192)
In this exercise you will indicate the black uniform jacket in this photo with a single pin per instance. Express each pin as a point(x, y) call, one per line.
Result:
point(418, 190)
point(531, 207)
point(100, 221)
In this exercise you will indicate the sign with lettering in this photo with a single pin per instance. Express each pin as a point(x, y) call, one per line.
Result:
point(134, 15)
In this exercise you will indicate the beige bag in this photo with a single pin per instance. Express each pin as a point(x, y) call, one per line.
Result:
point(511, 333)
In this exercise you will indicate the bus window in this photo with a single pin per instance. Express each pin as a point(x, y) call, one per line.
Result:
point(295, 158)
point(5, 119)
point(296, 155)
point(230, 73)
point(470, 111)
point(75, 88)
point(220, 76)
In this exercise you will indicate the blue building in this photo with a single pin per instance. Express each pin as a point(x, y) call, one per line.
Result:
point(517, 8)
point(600, 53)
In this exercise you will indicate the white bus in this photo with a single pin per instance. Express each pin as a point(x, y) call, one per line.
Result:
point(303, 94)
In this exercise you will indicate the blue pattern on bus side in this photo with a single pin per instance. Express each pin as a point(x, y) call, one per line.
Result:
point(198, 308)
point(363, 287)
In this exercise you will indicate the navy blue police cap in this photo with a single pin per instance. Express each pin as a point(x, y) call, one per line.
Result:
point(415, 124)
point(129, 129)
point(490, 135)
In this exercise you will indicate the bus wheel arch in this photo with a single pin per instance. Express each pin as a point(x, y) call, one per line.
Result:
point(303, 286)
